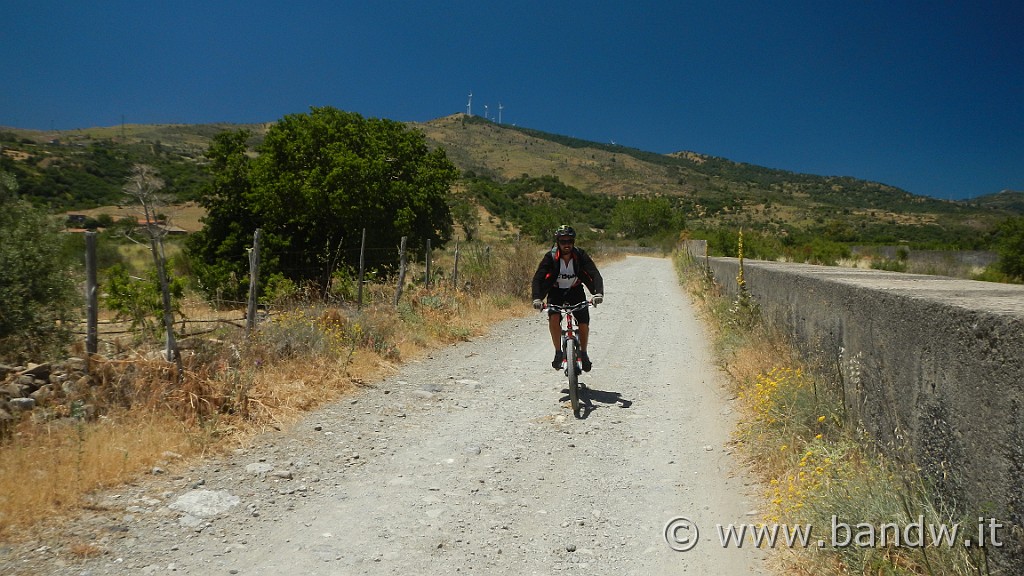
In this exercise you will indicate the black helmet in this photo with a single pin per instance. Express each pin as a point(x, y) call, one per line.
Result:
point(565, 231)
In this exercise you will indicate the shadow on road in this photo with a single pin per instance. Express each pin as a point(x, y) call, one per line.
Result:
point(589, 396)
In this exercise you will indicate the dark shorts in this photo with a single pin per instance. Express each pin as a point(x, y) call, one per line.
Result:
point(573, 295)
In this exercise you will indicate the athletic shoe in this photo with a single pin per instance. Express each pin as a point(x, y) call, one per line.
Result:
point(557, 362)
point(585, 360)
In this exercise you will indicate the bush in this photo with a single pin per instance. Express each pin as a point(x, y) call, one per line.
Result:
point(38, 301)
point(1010, 238)
point(140, 301)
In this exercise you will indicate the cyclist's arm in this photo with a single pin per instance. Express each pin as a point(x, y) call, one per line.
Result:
point(539, 286)
point(596, 283)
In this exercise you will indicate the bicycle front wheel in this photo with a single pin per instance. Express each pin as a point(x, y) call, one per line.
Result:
point(574, 382)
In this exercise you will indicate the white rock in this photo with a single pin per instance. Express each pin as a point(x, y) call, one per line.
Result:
point(205, 503)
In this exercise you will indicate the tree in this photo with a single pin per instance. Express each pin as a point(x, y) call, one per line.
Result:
point(144, 187)
point(1010, 246)
point(318, 179)
point(218, 251)
point(37, 295)
point(645, 217)
point(465, 214)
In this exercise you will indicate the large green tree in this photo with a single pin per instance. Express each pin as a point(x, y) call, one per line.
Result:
point(316, 181)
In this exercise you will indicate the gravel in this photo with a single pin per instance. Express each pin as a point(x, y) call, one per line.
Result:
point(466, 461)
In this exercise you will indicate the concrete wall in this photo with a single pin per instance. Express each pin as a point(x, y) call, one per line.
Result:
point(937, 258)
point(928, 365)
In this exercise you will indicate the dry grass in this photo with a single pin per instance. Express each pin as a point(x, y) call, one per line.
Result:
point(48, 465)
point(510, 153)
point(136, 414)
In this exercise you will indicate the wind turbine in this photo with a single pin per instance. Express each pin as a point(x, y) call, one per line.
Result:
point(469, 106)
point(500, 108)
point(486, 117)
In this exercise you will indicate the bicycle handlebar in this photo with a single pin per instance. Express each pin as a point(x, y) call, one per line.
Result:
point(568, 307)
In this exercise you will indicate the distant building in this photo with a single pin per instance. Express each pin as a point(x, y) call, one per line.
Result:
point(161, 225)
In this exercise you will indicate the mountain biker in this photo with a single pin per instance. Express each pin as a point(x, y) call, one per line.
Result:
point(561, 275)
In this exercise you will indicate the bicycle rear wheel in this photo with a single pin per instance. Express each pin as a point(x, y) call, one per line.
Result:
point(574, 382)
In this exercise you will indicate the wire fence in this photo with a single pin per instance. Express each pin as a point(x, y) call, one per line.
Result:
point(244, 315)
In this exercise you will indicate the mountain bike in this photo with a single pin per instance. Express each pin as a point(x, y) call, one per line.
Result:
point(570, 350)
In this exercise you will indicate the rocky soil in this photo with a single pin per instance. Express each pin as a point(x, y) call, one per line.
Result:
point(468, 461)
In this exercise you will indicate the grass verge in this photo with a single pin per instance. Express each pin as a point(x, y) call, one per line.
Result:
point(873, 514)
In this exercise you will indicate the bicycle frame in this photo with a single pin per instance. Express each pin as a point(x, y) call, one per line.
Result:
point(570, 351)
point(570, 329)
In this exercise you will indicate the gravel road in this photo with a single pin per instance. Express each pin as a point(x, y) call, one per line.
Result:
point(467, 461)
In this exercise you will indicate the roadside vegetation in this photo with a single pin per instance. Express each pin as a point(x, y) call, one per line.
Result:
point(818, 469)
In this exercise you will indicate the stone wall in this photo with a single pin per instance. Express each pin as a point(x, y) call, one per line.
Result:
point(56, 387)
point(932, 366)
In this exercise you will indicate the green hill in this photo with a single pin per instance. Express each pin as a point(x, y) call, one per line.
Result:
point(84, 168)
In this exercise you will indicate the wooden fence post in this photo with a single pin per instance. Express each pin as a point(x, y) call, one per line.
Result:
point(455, 270)
point(330, 271)
point(171, 353)
point(254, 277)
point(362, 268)
point(426, 280)
point(401, 271)
point(91, 304)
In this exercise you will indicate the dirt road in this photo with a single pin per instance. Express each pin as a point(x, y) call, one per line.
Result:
point(469, 462)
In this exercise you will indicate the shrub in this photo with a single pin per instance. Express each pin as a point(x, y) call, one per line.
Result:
point(1010, 246)
point(38, 301)
point(140, 301)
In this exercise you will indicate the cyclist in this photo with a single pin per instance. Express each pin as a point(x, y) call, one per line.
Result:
point(561, 275)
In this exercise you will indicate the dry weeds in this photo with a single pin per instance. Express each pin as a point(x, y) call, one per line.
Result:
point(136, 415)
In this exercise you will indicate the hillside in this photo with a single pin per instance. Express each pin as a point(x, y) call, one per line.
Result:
point(1008, 200)
point(717, 191)
point(85, 168)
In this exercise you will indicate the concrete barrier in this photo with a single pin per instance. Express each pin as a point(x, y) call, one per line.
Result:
point(930, 366)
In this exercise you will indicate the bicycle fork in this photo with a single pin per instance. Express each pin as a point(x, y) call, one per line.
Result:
point(566, 342)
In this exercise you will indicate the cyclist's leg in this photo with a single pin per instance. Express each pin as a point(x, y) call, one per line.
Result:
point(584, 357)
point(556, 297)
point(583, 322)
point(555, 327)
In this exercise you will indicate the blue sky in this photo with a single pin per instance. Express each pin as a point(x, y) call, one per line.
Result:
point(927, 96)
